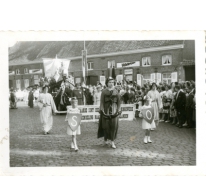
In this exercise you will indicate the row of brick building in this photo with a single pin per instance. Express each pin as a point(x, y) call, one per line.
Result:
point(168, 62)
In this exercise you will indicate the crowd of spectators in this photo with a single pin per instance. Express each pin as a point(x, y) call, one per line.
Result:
point(130, 92)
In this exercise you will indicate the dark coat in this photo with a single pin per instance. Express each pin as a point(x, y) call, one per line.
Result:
point(30, 99)
point(180, 101)
point(110, 126)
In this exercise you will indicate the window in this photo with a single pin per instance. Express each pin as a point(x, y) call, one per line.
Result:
point(146, 78)
point(166, 60)
point(26, 83)
point(36, 81)
point(18, 84)
point(90, 65)
point(25, 71)
point(167, 78)
point(146, 61)
point(111, 63)
point(17, 71)
point(36, 77)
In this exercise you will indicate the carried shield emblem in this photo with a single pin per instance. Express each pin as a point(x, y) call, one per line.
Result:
point(74, 120)
point(148, 114)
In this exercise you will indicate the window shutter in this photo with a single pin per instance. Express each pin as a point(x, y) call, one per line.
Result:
point(139, 79)
point(174, 76)
point(159, 79)
point(102, 80)
point(152, 77)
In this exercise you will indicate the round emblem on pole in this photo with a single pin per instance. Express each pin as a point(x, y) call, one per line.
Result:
point(148, 114)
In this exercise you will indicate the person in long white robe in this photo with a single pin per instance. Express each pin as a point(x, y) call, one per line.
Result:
point(156, 101)
point(46, 106)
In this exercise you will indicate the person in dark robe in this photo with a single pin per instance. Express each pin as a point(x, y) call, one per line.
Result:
point(31, 98)
point(79, 94)
point(109, 113)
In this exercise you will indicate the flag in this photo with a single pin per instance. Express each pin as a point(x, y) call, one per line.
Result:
point(84, 63)
point(56, 68)
point(113, 73)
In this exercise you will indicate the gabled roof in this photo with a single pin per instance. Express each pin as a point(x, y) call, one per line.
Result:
point(25, 52)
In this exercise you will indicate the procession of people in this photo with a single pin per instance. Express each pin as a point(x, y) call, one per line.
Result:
point(174, 103)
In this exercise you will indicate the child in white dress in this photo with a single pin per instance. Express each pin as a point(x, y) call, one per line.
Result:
point(73, 110)
point(147, 125)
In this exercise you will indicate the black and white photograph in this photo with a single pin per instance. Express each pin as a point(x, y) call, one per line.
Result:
point(151, 84)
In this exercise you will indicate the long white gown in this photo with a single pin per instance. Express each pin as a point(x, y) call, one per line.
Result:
point(156, 102)
point(46, 112)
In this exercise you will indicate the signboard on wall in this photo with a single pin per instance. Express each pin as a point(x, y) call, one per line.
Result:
point(35, 71)
point(128, 71)
point(91, 112)
point(130, 64)
point(11, 72)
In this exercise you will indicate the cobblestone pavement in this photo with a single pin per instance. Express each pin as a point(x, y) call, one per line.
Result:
point(30, 148)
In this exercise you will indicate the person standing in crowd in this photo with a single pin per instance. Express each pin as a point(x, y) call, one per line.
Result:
point(97, 96)
point(13, 99)
point(166, 103)
point(194, 109)
point(109, 113)
point(59, 98)
point(70, 132)
point(36, 94)
point(79, 94)
point(25, 96)
point(147, 124)
point(173, 112)
point(189, 106)
point(31, 98)
point(88, 95)
point(156, 102)
point(180, 100)
point(46, 106)
point(54, 93)
point(122, 92)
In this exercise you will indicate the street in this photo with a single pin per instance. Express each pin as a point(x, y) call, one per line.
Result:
point(171, 146)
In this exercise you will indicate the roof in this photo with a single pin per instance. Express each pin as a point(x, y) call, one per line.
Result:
point(24, 52)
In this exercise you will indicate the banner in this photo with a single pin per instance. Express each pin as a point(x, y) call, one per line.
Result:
point(91, 112)
point(56, 68)
point(148, 114)
point(84, 63)
point(74, 120)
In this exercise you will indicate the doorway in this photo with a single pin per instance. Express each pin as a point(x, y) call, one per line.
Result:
point(189, 73)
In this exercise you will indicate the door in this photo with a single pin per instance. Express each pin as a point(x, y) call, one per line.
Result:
point(189, 73)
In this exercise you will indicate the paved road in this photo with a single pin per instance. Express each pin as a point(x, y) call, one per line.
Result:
point(30, 148)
